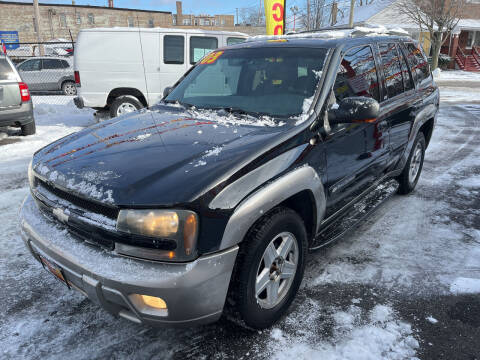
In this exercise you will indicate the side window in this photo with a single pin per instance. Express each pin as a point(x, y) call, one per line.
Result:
point(173, 49)
point(6, 72)
point(234, 40)
point(52, 64)
point(418, 63)
point(407, 77)
point(201, 46)
point(30, 65)
point(391, 69)
point(357, 75)
point(65, 64)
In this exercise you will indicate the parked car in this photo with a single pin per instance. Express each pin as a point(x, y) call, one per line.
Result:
point(218, 192)
point(124, 69)
point(49, 74)
point(15, 102)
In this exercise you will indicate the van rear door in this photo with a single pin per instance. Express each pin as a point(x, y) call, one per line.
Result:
point(9, 89)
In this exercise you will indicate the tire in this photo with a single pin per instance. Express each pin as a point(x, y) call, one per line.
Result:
point(28, 129)
point(124, 104)
point(408, 178)
point(274, 229)
point(69, 88)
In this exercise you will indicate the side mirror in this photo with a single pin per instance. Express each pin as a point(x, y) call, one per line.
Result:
point(354, 109)
point(167, 91)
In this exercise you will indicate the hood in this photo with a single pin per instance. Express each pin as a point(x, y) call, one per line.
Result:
point(161, 157)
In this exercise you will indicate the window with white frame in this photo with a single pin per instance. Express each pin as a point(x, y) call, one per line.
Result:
point(79, 19)
point(130, 21)
point(91, 19)
point(63, 20)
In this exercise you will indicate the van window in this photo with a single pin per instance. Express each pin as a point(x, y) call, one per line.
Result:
point(173, 49)
point(6, 72)
point(201, 46)
point(357, 75)
point(391, 69)
point(418, 63)
point(234, 40)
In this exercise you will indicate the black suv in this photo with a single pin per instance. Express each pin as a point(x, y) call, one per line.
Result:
point(213, 197)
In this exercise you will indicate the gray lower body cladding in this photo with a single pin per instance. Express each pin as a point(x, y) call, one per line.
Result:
point(194, 292)
point(19, 115)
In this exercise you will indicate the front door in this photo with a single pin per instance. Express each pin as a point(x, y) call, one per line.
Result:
point(30, 72)
point(354, 150)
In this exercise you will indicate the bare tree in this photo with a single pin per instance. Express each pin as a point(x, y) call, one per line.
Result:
point(438, 17)
point(319, 14)
point(254, 16)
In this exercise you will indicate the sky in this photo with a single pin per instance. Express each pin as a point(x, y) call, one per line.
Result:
point(212, 7)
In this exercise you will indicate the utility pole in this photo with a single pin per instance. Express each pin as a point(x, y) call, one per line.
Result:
point(237, 16)
point(333, 15)
point(350, 21)
point(308, 15)
point(36, 12)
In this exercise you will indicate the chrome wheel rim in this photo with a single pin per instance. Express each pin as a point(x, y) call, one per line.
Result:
point(415, 163)
point(70, 89)
point(126, 108)
point(276, 270)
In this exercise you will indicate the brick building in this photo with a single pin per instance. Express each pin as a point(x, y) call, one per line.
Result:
point(57, 20)
point(203, 21)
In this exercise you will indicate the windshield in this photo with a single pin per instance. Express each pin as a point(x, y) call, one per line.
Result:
point(262, 81)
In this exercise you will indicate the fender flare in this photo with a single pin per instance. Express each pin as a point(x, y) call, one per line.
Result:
point(254, 206)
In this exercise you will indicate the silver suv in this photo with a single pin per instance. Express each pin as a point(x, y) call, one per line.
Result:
point(48, 74)
point(15, 102)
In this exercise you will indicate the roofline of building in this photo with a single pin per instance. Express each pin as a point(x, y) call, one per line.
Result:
point(86, 7)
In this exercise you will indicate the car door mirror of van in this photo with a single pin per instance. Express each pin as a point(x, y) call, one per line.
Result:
point(354, 109)
point(167, 91)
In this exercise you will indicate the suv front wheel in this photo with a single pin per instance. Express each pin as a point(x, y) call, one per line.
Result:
point(269, 268)
point(411, 172)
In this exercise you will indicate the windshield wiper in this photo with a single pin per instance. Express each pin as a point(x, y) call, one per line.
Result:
point(236, 110)
point(185, 105)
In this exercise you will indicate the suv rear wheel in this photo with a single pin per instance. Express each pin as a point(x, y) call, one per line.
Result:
point(69, 88)
point(411, 172)
point(124, 104)
point(28, 129)
point(269, 268)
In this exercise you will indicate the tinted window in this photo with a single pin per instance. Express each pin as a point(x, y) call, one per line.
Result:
point(418, 63)
point(50, 64)
point(391, 69)
point(201, 46)
point(6, 72)
point(407, 77)
point(173, 49)
point(30, 65)
point(65, 64)
point(234, 40)
point(279, 82)
point(357, 75)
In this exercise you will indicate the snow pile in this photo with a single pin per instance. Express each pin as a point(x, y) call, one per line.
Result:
point(463, 285)
point(357, 334)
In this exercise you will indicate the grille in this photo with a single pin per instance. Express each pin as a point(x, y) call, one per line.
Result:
point(94, 207)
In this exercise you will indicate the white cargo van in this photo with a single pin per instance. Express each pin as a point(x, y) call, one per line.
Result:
point(124, 69)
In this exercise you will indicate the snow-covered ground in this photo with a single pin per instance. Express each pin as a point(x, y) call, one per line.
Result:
point(405, 284)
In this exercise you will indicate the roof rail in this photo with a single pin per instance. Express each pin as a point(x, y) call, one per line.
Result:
point(326, 28)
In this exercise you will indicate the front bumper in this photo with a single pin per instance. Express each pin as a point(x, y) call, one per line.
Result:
point(195, 292)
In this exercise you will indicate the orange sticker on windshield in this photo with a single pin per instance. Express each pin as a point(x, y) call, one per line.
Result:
point(211, 58)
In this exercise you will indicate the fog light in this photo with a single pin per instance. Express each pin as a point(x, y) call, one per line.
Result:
point(154, 302)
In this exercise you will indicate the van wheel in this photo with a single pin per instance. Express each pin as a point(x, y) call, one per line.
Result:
point(269, 268)
point(411, 172)
point(69, 88)
point(28, 129)
point(124, 104)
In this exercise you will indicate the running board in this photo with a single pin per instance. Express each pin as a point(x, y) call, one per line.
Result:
point(353, 217)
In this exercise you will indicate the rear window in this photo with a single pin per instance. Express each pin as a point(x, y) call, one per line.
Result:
point(173, 49)
point(201, 46)
point(418, 63)
point(6, 71)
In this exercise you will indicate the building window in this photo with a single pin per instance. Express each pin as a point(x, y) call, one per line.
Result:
point(223, 22)
point(63, 20)
point(207, 22)
point(174, 19)
point(34, 25)
point(130, 21)
point(91, 19)
point(79, 19)
point(202, 22)
point(150, 23)
point(187, 22)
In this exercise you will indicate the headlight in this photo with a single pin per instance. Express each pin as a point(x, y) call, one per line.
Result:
point(31, 178)
point(178, 225)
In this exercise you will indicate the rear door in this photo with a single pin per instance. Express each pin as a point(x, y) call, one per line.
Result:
point(30, 71)
point(174, 59)
point(9, 90)
point(199, 46)
point(52, 73)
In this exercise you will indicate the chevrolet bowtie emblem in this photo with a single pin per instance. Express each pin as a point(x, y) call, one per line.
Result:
point(60, 215)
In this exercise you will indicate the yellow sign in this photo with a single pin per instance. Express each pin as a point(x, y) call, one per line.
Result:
point(275, 16)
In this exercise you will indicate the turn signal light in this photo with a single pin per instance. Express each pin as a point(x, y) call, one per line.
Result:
point(154, 302)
